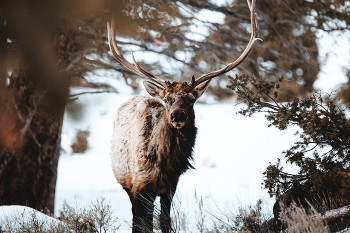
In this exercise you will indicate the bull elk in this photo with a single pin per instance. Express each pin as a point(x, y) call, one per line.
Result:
point(153, 138)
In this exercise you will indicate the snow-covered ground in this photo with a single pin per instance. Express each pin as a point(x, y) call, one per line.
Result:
point(15, 214)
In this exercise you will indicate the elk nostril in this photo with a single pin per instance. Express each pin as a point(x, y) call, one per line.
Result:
point(178, 116)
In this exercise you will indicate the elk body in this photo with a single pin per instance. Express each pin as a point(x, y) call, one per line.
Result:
point(154, 137)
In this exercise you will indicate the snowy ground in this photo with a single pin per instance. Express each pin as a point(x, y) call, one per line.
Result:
point(15, 215)
point(231, 154)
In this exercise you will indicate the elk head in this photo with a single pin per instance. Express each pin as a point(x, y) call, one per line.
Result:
point(179, 97)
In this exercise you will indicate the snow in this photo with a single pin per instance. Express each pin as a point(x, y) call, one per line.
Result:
point(10, 215)
point(231, 154)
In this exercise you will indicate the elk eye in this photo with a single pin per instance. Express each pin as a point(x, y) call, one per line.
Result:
point(168, 100)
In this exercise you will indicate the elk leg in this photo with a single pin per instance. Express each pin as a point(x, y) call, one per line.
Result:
point(165, 202)
point(142, 211)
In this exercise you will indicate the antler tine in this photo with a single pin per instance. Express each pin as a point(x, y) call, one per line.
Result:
point(249, 5)
point(121, 59)
point(245, 53)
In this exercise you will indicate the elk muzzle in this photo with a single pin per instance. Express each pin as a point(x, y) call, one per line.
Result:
point(178, 118)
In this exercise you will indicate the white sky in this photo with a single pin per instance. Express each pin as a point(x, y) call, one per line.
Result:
point(334, 52)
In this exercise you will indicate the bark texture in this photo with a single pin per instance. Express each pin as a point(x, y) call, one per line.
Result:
point(29, 144)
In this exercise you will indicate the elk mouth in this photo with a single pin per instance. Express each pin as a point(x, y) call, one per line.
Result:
point(177, 125)
point(178, 118)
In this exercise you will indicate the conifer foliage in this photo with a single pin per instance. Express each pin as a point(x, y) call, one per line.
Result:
point(322, 152)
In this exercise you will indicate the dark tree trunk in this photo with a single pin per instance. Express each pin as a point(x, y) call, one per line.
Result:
point(32, 99)
point(43, 45)
point(29, 144)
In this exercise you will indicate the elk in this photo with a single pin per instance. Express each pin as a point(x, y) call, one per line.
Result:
point(153, 138)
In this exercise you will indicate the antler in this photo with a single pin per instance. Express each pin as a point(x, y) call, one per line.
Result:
point(245, 53)
point(121, 59)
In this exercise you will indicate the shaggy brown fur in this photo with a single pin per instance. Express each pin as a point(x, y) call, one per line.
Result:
point(177, 87)
point(152, 146)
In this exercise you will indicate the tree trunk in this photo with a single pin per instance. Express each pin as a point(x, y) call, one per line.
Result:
point(29, 144)
point(32, 99)
point(41, 48)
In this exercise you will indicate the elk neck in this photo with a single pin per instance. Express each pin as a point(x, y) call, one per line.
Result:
point(172, 148)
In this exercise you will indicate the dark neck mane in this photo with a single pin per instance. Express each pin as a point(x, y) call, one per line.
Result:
point(173, 147)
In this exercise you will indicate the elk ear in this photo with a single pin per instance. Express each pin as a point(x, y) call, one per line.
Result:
point(153, 89)
point(201, 88)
